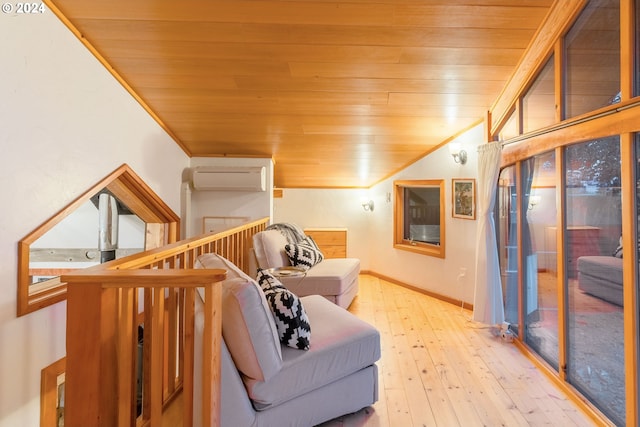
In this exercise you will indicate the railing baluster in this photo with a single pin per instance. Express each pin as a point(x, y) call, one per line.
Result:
point(127, 355)
point(181, 330)
point(172, 340)
point(188, 370)
point(102, 327)
point(155, 363)
point(146, 352)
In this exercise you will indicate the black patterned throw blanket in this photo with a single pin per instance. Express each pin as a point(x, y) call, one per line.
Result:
point(292, 232)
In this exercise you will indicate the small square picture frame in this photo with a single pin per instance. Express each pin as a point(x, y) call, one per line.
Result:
point(463, 204)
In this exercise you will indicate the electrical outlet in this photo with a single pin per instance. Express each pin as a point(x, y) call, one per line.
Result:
point(462, 274)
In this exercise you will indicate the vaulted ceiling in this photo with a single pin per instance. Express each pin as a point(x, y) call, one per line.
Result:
point(339, 94)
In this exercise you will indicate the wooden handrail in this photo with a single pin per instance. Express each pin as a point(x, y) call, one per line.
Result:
point(103, 317)
point(145, 278)
point(198, 245)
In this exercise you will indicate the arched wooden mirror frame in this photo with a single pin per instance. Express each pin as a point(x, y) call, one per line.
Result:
point(162, 227)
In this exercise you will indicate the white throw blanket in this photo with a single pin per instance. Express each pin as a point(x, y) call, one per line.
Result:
point(292, 232)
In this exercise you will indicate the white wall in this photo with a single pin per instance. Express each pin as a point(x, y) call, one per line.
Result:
point(198, 204)
point(311, 208)
point(65, 125)
point(426, 272)
point(370, 234)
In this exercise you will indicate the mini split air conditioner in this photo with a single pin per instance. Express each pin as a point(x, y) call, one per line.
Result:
point(214, 178)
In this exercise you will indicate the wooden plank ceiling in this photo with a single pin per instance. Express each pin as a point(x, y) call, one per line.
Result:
point(340, 94)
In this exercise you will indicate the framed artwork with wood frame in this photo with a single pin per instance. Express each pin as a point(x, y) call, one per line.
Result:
point(463, 191)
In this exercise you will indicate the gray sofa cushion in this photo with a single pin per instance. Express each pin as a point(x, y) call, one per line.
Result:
point(269, 249)
point(330, 277)
point(248, 326)
point(330, 357)
point(601, 276)
point(344, 396)
point(602, 267)
point(235, 407)
point(336, 279)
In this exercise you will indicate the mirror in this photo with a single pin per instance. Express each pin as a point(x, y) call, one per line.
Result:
point(419, 216)
point(75, 242)
point(117, 217)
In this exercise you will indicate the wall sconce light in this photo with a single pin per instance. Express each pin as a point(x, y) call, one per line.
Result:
point(367, 205)
point(533, 201)
point(459, 155)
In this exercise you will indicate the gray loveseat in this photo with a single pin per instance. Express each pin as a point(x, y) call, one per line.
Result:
point(265, 383)
point(335, 279)
point(601, 276)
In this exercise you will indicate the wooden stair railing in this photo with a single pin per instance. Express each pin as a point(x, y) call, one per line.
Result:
point(156, 289)
point(102, 344)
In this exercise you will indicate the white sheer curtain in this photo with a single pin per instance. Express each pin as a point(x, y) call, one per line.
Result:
point(488, 306)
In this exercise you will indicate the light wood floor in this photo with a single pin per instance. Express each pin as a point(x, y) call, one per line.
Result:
point(439, 368)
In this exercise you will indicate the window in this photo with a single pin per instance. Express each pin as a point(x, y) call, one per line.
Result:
point(595, 356)
point(539, 265)
point(507, 238)
point(636, 58)
point(592, 72)
point(419, 217)
point(510, 128)
point(538, 104)
point(562, 233)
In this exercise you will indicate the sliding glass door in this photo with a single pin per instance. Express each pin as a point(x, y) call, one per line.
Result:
point(539, 230)
point(571, 307)
point(593, 256)
point(507, 221)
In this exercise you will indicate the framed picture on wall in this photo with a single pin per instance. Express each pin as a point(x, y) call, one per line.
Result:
point(464, 198)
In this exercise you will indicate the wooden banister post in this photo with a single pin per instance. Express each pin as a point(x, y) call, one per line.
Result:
point(91, 377)
point(101, 320)
point(212, 337)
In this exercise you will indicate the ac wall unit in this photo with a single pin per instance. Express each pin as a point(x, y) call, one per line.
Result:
point(214, 178)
